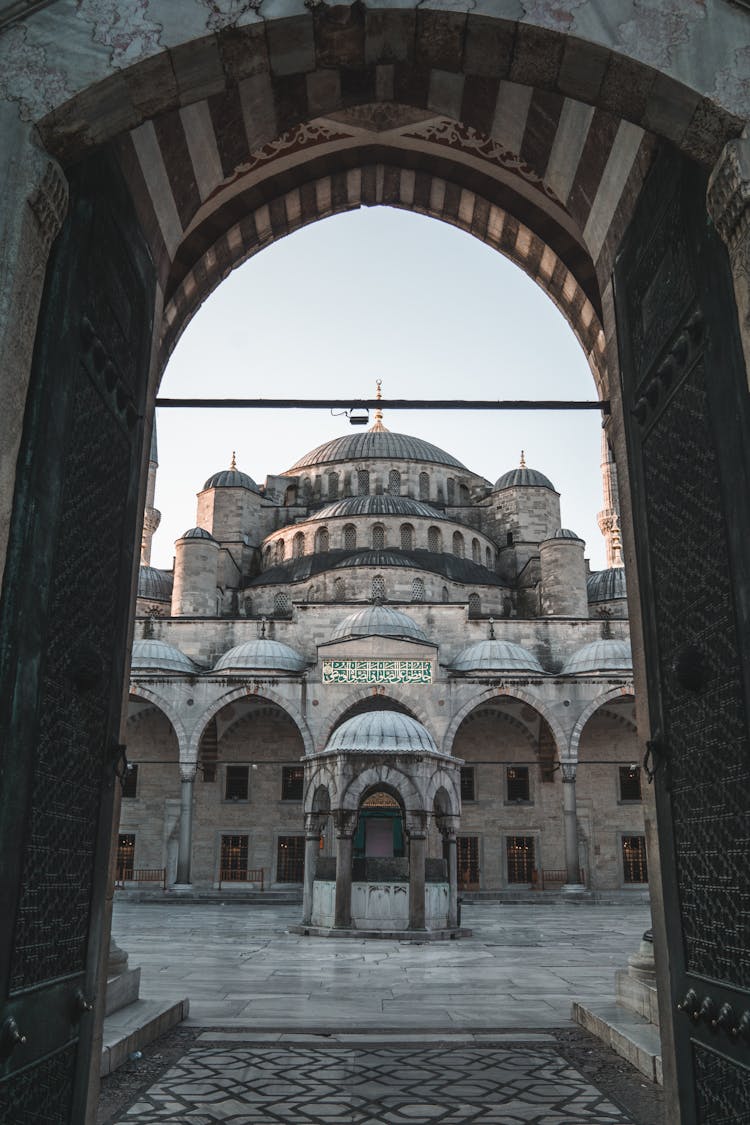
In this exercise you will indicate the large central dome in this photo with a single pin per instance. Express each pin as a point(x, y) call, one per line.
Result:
point(374, 444)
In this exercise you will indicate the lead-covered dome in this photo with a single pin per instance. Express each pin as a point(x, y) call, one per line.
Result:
point(600, 656)
point(606, 585)
point(496, 656)
point(378, 506)
point(523, 477)
point(231, 478)
point(154, 584)
point(198, 533)
point(378, 621)
point(382, 732)
point(566, 533)
point(158, 656)
point(261, 654)
point(376, 444)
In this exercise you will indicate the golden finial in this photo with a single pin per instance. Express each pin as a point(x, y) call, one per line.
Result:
point(378, 413)
point(523, 461)
point(234, 460)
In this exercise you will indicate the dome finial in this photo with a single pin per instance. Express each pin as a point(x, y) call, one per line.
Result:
point(378, 426)
point(492, 629)
point(523, 461)
point(233, 464)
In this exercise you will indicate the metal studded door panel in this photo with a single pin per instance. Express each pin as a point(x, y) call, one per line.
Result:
point(686, 412)
point(63, 623)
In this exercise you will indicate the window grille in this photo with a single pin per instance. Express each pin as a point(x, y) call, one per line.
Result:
point(424, 486)
point(233, 864)
point(236, 783)
point(417, 590)
point(281, 605)
point(290, 866)
point(292, 783)
point(467, 783)
point(333, 486)
point(451, 490)
point(394, 482)
point(130, 781)
point(378, 588)
point(125, 855)
point(634, 865)
point(350, 537)
point(458, 545)
point(517, 783)
point(520, 854)
point(467, 849)
point(407, 537)
point(298, 545)
point(630, 783)
point(339, 589)
point(363, 482)
point(434, 538)
point(378, 537)
point(475, 605)
point(321, 541)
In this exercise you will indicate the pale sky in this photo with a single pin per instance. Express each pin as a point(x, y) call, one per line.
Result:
point(378, 293)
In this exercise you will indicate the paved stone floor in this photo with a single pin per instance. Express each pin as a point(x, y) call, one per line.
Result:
point(286, 1030)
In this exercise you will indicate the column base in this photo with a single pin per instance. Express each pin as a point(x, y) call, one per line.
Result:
point(573, 889)
point(182, 888)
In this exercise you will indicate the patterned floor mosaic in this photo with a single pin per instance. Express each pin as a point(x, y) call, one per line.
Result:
point(373, 1085)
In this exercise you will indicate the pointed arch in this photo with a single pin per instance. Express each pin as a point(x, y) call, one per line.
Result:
point(246, 693)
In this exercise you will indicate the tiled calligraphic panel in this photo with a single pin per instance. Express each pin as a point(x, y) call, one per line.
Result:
point(377, 671)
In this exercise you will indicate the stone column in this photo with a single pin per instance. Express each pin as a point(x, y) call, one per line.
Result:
point(728, 203)
point(417, 851)
point(343, 915)
point(185, 846)
point(570, 814)
point(451, 848)
point(312, 848)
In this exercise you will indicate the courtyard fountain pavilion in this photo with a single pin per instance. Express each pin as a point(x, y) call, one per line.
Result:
point(386, 680)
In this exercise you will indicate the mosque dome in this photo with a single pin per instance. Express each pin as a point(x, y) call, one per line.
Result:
point(378, 506)
point(378, 621)
point(262, 654)
point(496, 656)
point(600, 656)
point(523, 477)
point(607, 585)
point(382, 732)
point(377, 443)
point(231, 478)
point(154, 584)
point(566, 533)
point(198, 533)
point(158, 656)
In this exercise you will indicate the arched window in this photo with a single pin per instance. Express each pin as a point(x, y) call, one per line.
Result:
point(280, 550)
point(378, 537)
point(350, 537)
point(424, 486)
point(298, 545)
point(444, 594)
point(417, 590)
point(488, 558)
point(475, 605)
point(378, 588)
point(476, 551)
point(339, 590)
point(458, 545)
point(281, 605)
point(451, 490)
point(321, 540)
point(248, 604)
point(394, 482)
point(463, 494)
point(306, 490)
point(363, 482)
point(407, 537)
point(267, 554)
point(434, 539)
point(333, 486)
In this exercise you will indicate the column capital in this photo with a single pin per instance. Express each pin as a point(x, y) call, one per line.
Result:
point(568, 771)
point(187, 773)
point(344, 822)
point(728, 195)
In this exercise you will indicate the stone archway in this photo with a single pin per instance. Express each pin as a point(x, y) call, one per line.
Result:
point(552, 80)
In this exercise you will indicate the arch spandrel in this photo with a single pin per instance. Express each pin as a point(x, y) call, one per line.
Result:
point(387, 775)
point(614, 694)
point(510, 692)
point(163, 705)
point(228, 697)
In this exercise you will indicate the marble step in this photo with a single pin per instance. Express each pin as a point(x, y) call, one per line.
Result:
point(135, 1025)
point(629, 1035)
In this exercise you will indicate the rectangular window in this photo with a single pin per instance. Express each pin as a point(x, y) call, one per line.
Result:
point(130, 781)
point(233, 859)
point(520, 851)
point(630, 783)
point(467, 783)
point(467, 854)
point(290, 867)
point(125, 854)
point(292, 783)
point(236, 788)
point(517, 783)
point(634, 866)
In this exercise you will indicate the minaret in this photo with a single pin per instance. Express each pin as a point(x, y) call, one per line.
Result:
point(151, 516)
point(378, 427)
point(609, 517)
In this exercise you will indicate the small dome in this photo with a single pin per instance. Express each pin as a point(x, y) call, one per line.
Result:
point(231, 478)
point(378, 506)
point(376, 444)
point(264, 654)
point(607, 585)
point(523, 478)
point(198, 533)
point(566, 533)
point(378, 621)
point(158, 656)
point(154, 584)
point(600, 656)
point(382, 732)
point(496, 656)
